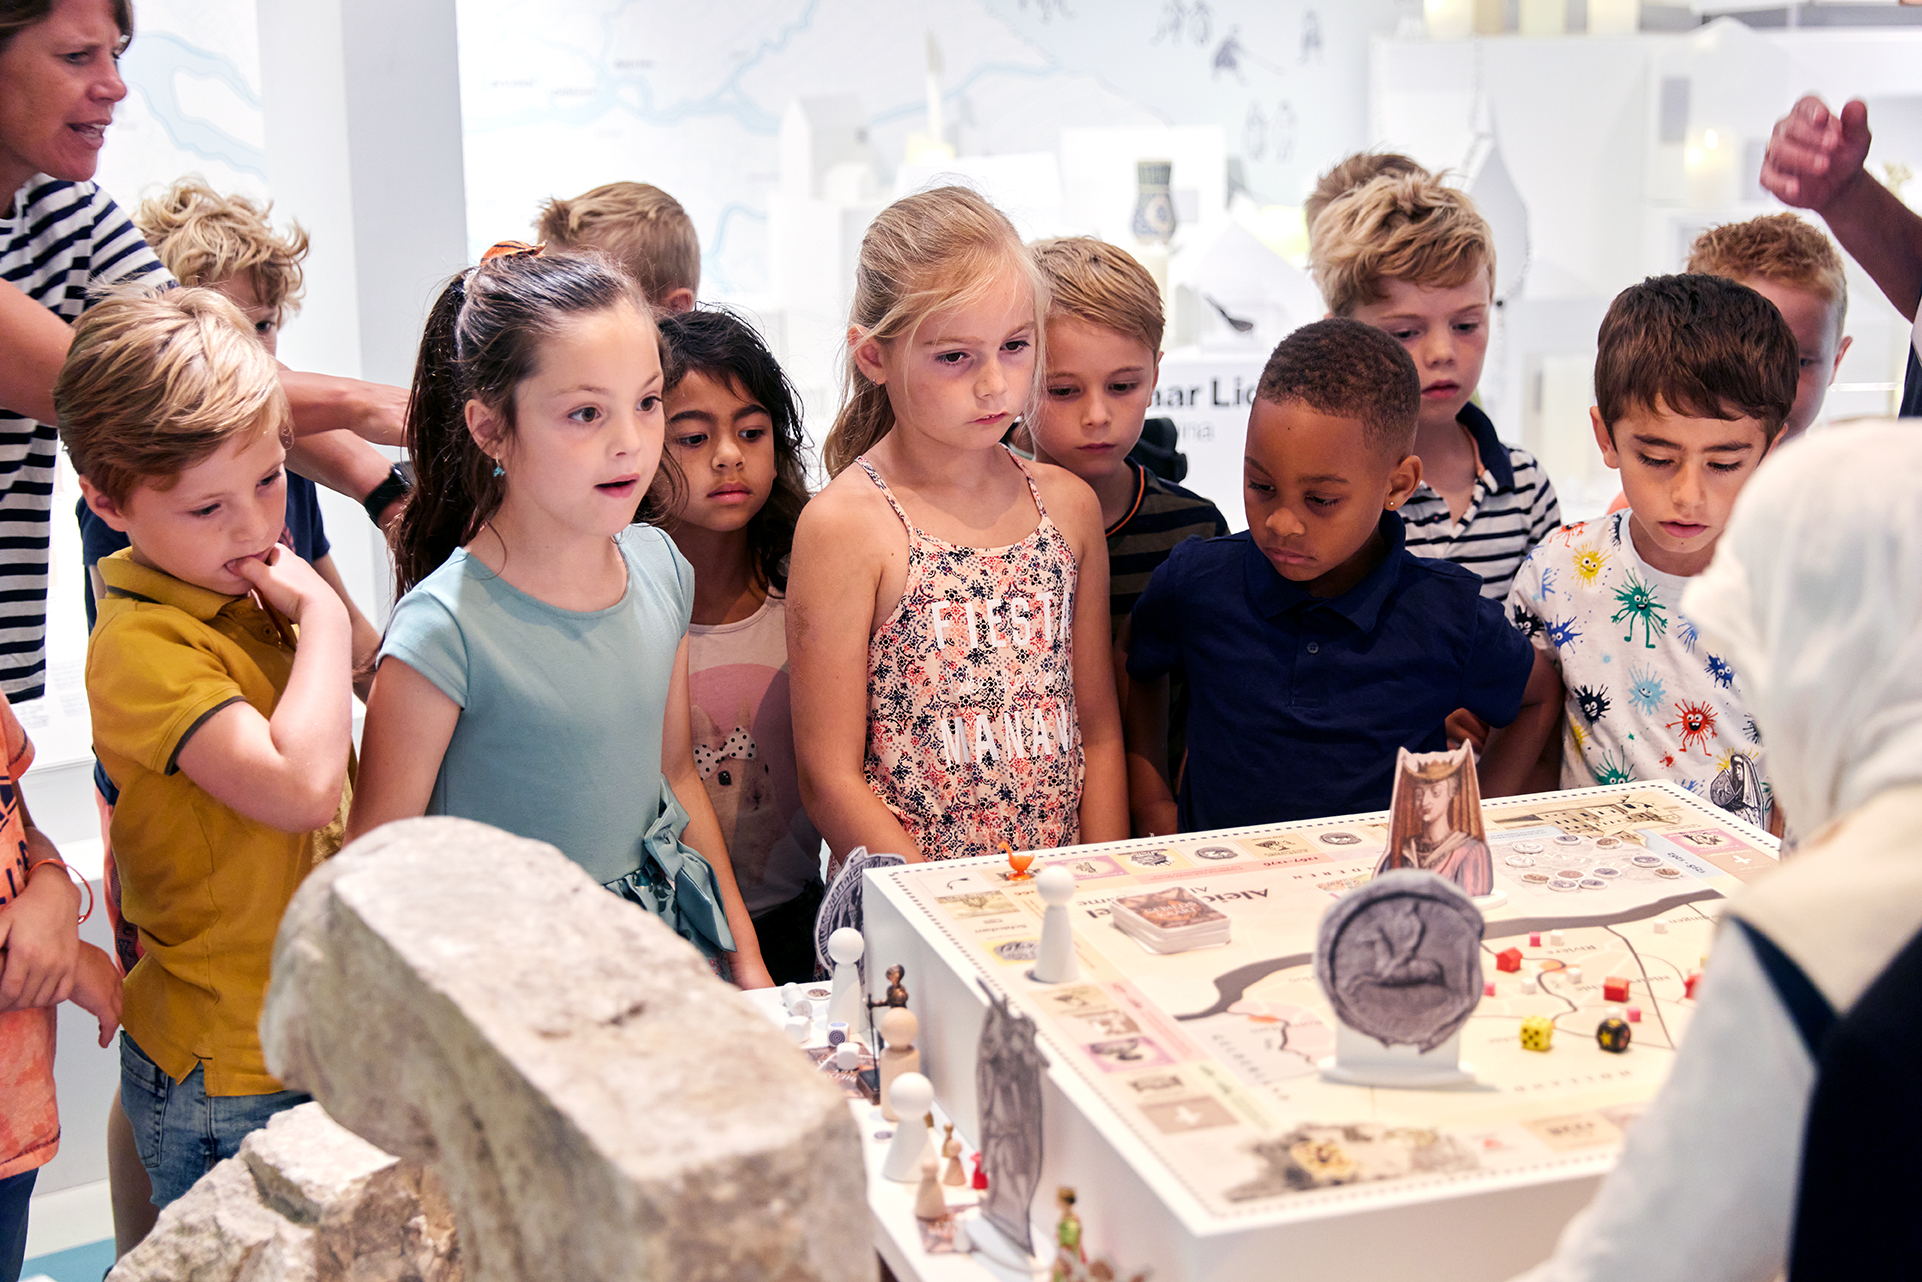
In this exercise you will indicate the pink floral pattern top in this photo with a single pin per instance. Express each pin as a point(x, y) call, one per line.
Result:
point(972, 734)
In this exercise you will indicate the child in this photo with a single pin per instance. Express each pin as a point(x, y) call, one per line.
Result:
point(42, 963)
point(1414, 259)
point(642, 228)
point(227, 732)
point(1350, 172)
point(534, 676)
point(1313, 643)
point(1104, 351)
point(947, 609)
point(1789, 1098)
point(734, 433)
point(1788, 261)
point(226, 243)
point(1694, 377)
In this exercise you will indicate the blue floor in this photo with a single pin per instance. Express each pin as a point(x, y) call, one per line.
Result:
point(87, 1263)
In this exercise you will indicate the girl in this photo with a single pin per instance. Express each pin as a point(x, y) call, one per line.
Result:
point(947, 610)
point(534, 676)
point(734, 435)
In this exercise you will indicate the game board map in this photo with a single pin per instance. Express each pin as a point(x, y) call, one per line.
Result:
point(1209, 1058)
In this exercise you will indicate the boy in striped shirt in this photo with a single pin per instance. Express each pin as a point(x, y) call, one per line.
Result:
point(1413, 258)
point(1103, 353)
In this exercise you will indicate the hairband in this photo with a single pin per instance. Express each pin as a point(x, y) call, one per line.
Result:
point(510, 249)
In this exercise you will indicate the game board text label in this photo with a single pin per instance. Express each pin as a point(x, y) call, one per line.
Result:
point(999, 623)
point(1040, 731)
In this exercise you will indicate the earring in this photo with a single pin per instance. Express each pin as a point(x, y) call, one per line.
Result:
point(498, 469)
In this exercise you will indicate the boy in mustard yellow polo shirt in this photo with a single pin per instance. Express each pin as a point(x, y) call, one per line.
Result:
point(220, 684)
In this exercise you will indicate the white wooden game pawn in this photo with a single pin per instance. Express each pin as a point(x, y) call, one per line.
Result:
point(899, 1028)
point(929, 1204)
point(1055, 962)
point(846, 1003)
point(913, 1096)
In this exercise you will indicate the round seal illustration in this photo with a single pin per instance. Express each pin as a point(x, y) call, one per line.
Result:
point(1339, 839)
point(1400, 958)
point(1215, 852)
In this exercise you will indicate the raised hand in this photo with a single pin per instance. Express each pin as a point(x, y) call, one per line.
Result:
point(1815, 155)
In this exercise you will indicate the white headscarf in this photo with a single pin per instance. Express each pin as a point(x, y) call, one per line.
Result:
point(1815, 596)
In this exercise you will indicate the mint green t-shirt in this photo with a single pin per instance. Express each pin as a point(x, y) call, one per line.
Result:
point(559, 737)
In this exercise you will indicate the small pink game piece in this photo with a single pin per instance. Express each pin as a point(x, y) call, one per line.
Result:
point(1635, 1014)
point(1534, 939)
point(1488, 989)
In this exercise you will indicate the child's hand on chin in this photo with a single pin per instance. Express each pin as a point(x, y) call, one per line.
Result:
point(96, 989)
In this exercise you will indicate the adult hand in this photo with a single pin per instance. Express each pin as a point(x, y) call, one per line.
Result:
point(1814, 155)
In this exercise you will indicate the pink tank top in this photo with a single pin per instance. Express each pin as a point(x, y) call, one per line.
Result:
point(972, 736)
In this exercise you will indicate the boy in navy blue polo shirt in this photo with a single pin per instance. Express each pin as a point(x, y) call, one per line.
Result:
point(1314, 643)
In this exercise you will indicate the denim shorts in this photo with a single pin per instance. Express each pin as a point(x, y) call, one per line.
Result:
point(180, 1130)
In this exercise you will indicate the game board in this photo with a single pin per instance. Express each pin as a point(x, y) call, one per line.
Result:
point(1198, 1070)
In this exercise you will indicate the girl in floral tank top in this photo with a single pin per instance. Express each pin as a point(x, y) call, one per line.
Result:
point(978, 656)
point(947, 602)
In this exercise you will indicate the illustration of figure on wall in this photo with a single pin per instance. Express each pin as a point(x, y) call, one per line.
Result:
point(1436, 821)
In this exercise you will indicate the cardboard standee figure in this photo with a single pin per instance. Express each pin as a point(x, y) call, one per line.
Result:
point(1436, 820)
point(1007, 1088)
point(1399, 958)
point(841, 902)
point(899, 1028)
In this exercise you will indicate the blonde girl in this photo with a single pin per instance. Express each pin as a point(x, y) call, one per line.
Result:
point(947, 602)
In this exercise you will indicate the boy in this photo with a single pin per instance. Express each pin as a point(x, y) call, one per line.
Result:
point(1314, 644)
point(226, 731)
point(642, 228)
point(42, 963)
point(1788, 261)
point(1349, 173)
point(1104, 352)
point(1413, 258)
point(1694, 377)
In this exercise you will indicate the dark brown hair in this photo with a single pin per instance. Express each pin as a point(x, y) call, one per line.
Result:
point(17, 15)
point(1697, 345)
point(716, 342)
point(482, 338)
point(1345, 368)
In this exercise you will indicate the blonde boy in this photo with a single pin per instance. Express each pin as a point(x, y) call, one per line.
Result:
point(1349, 173)
point(1788, 261)
point(642, 228)
point(1103, 353)
point(219, 684)
point(227, 243)
point(1413, 258)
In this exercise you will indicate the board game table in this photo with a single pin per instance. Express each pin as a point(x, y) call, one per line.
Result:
point(1183, 1097)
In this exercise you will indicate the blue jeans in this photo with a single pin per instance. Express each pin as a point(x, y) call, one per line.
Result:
point(180, 1130)
point(15, 1192)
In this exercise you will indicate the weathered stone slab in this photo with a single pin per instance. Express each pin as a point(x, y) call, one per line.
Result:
point(597, 1104)
point(303, 1201)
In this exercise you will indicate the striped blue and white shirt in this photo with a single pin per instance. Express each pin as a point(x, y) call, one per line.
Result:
point(1512, 509)
point(61, 243)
